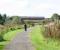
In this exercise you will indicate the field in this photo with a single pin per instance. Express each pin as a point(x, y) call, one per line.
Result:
point(9, 36)
point(42, 43)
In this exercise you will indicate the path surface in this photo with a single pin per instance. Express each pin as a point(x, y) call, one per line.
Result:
point(20, 42)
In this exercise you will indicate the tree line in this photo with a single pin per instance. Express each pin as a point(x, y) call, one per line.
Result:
point(4, 19)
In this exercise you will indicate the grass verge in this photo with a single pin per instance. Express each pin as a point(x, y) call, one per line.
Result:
point(42, 43)
point(9, 36)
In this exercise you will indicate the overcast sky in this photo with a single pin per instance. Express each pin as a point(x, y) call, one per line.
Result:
point(30, 7)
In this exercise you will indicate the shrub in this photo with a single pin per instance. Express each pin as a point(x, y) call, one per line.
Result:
point(12, 29)
point(6, 28)
point(52, 30)
point(2, 32)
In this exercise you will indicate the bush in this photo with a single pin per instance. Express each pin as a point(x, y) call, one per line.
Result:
point(12, 29)
point(6, 28)
point(52, 30)
point(2, 32)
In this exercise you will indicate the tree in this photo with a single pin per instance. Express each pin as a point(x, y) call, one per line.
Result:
point(1, 19)
point(55, 16)
point(4, 18)
point(13, 20)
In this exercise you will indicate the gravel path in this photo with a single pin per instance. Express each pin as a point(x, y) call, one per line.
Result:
point(20, 42)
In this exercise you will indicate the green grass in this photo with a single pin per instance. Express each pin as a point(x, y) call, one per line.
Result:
point(42, 43)
point(9, 36)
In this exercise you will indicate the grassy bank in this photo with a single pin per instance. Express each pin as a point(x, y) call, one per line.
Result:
point(42, 43)
point(9, 36)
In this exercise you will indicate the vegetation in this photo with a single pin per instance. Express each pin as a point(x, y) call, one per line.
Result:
point(42, 43)
point(45, 37)
point(9, 26)
point(55, 16)
point(2, 19)
point(8, 36)
point(52, 29)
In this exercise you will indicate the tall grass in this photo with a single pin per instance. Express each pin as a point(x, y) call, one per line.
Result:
point(7, 28)
point(7, 33)
point(42, 43)
point(52, 30)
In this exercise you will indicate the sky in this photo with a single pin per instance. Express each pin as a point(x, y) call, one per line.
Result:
point(39, 8)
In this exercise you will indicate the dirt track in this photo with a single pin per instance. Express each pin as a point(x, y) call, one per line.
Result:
point(20, 42)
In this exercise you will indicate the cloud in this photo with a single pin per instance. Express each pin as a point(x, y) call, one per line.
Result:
point(44, 9)
point(30, 7)
point(13, 7)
